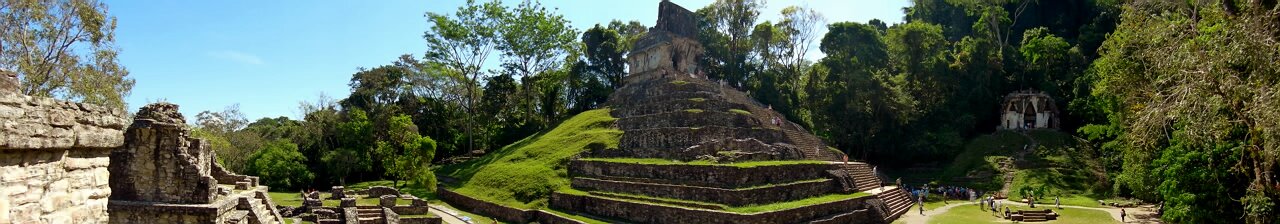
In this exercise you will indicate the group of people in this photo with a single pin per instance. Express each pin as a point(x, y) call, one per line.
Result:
point(947, 192)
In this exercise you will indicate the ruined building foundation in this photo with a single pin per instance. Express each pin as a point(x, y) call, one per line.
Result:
point(163, 175)
point(54, 158)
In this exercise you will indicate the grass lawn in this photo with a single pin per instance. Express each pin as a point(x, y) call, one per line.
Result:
point(286, 198)
point(970, 214)
point(524, 174)
point(749, 164)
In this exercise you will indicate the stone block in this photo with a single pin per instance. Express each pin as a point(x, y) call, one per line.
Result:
point(337, 192)
point(347, 202)
point(242, 185)
point(387, 200)
point(379, 191)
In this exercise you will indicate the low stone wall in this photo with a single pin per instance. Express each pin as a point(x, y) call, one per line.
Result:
point(485, 208)
point(53, 159)
point(421, 220)
point(500, 212)
point(733, 197)
point(150, 212)
point(411, 210)
point(701, 175)
point(650, 213)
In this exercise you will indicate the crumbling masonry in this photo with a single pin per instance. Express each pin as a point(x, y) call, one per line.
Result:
point(163, 175)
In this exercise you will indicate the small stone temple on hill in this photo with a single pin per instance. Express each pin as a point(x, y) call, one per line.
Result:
point(1028, 109)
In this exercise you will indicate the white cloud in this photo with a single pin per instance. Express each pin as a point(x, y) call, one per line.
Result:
point(236, 56)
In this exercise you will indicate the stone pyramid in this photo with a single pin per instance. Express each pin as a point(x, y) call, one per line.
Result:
point(696, 150)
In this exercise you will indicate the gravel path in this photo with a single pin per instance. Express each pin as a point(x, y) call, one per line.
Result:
point(449, 216)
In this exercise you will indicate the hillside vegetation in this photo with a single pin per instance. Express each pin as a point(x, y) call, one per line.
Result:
point(524, 174)
point(1060, 165)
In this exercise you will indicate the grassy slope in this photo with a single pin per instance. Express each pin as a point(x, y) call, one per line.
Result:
point(1060, 166)
point(524, 174)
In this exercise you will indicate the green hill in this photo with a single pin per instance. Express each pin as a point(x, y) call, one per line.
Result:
point(1059, 165)
point(525, 173)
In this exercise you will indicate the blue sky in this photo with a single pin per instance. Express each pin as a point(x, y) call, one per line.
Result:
point(268, 56)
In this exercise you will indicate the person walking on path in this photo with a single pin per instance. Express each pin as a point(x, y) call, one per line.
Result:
point(922, 208)
point(1057, 202)
point(1122, 214)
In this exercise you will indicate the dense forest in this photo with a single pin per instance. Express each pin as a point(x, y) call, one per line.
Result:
point(1177, 98)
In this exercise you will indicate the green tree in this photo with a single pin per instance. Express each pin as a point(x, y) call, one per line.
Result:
point(352, 153)
point(727, 37)
point(459, 46)
point(852, 101)
point(1193, 86)
point(64, 49)
point(406, 154)
point(280, 165)
point(1053, 63)
point(604, 51)
point(917, 53)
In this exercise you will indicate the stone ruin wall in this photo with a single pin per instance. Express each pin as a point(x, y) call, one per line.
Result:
point(149, 168)
point(54, 159)
point(163, 175)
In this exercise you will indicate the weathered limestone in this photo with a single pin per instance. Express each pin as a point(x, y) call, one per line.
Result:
point(54, 157)
point(8, 82)
point(162, 175)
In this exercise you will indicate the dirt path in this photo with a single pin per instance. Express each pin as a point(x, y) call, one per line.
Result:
point(1146, 212)
point(913, 214)
point(449, 216)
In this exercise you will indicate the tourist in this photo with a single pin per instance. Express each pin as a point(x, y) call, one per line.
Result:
point(1057, 202)
point(982, 205)
point(1006, 211)
point(944, 197)
point(1122, 214)
point(846, 159)
point(921, 208)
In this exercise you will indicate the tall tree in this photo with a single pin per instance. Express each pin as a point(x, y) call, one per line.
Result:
point(731, 20)
point(460, 45)
point(604, 51)
point(800, 26)
point(64, 49)
point(1194, 88)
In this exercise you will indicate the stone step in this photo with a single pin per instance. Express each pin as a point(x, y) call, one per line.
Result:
point(364, 220)
point(689, 118)
point(763, 194)
point(237, 217)
point(719, 176)
point(684, 137)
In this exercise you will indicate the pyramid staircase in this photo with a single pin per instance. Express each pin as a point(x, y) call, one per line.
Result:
point(254, 209)
point(896, 201)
